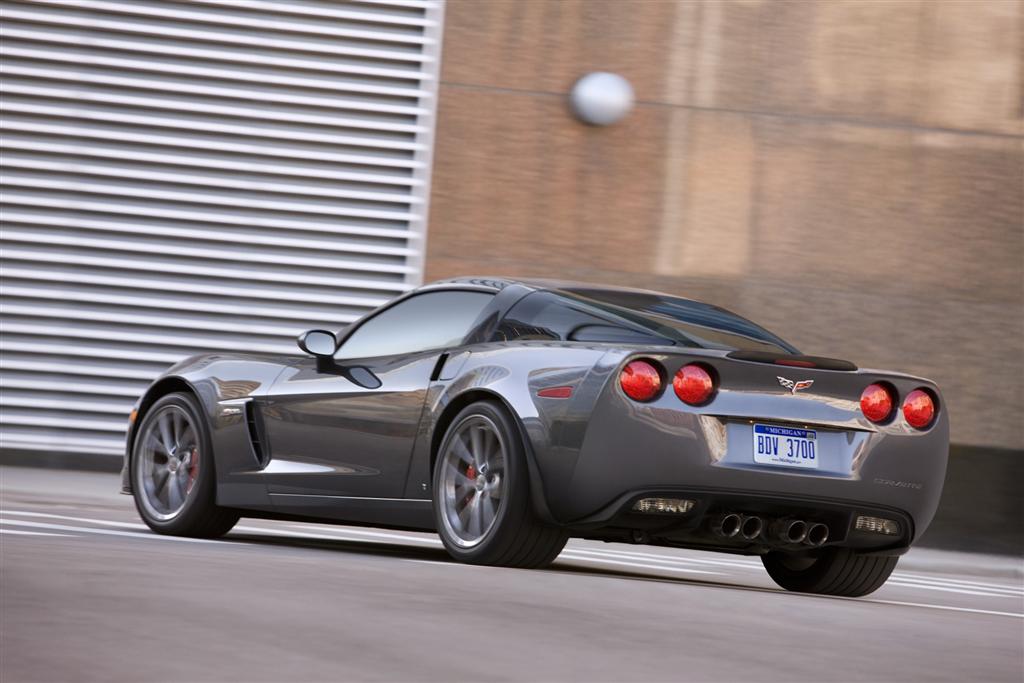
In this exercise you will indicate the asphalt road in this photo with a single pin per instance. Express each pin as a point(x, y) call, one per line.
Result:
point(87, 593)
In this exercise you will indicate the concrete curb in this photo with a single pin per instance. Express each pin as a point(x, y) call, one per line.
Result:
point(82, 462)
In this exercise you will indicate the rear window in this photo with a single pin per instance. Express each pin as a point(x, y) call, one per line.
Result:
point(605, 315)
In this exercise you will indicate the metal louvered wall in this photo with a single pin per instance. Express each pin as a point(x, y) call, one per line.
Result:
point(181, 177)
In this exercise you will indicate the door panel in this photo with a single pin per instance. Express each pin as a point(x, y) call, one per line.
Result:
point(331, 436)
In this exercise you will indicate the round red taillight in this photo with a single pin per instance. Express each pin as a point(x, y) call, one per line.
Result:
point(919, 408)
point(876, 403)
point(693, 384)
point(640, 380)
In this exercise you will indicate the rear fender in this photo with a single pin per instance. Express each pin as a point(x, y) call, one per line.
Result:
point(552, 428)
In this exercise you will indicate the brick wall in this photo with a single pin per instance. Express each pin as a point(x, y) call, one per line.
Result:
point(849, 174)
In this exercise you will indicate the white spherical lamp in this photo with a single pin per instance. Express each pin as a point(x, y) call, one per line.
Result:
point(601, 98)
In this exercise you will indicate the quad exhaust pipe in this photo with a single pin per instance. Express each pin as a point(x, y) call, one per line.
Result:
point(751, 527)
point(787, 531)
point(793, 531)
point(731, 525)
point(817, 534)
point(727, 525)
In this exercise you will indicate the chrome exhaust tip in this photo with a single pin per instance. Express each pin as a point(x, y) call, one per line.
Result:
point(751, 527)
point(790, 530)
point(817, 534)
point(726, 526)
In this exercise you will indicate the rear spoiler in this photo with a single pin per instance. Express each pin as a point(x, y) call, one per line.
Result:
point(794, 361)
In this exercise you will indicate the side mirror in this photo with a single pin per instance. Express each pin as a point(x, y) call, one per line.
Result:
point(318, 343)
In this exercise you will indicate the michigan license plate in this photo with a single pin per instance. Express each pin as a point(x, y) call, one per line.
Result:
point(785, 446)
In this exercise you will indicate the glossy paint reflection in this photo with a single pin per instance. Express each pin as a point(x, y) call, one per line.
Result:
point(353, 441)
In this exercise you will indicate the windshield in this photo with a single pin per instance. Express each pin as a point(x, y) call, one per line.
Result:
point(682, 321)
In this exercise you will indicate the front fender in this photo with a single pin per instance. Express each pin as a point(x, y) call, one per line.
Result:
point(217, 381)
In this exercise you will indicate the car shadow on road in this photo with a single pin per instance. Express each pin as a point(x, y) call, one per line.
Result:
point(380, 548)
point(438, 556)
point(371, 547)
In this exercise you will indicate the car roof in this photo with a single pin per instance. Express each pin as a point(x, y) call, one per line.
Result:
point(498, 283)
point(477, 282)
point(584, 289)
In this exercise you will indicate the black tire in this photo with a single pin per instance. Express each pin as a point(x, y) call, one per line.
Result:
point(829, 571)
point(200, 516)
point(516, 538)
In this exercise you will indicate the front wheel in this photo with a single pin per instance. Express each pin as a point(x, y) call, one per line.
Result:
point(829, 571)
point(172, 470)
point(482, 494)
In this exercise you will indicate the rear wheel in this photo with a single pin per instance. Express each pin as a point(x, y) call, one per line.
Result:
point(172, 469)
point(482, 494)
point(829, 571)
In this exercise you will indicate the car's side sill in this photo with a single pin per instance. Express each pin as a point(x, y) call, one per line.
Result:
point(404, 512)
point(322, 495)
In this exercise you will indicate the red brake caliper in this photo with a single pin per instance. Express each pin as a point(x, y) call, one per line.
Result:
point(193, 467)
point(471, 475)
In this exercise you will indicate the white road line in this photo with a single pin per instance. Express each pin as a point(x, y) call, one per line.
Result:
point(963, 585)
point(243, 529)
point(353, 534)
point(662, 558)
point(104, 532)
point(602, 560)
point(283, 533)
point(740, 563)
point(949, 608)
point(30, 533)
point(563, 556)
point(370, 534)
point(90, 520)
point(946, 589)
point(143, 527)
point(1019, 588)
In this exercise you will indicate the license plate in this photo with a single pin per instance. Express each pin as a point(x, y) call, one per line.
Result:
point(785, 446)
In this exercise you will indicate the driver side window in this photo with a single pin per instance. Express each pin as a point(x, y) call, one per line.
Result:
point(432, 320)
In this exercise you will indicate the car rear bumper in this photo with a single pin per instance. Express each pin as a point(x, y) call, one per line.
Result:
point(632, 448)
point(696, 527)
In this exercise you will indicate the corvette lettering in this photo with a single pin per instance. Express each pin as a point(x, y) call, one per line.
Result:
point(898, 484)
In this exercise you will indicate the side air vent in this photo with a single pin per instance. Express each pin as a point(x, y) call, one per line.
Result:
point(254, 421)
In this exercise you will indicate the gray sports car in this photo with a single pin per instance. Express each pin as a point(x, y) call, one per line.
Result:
point(512, 415)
